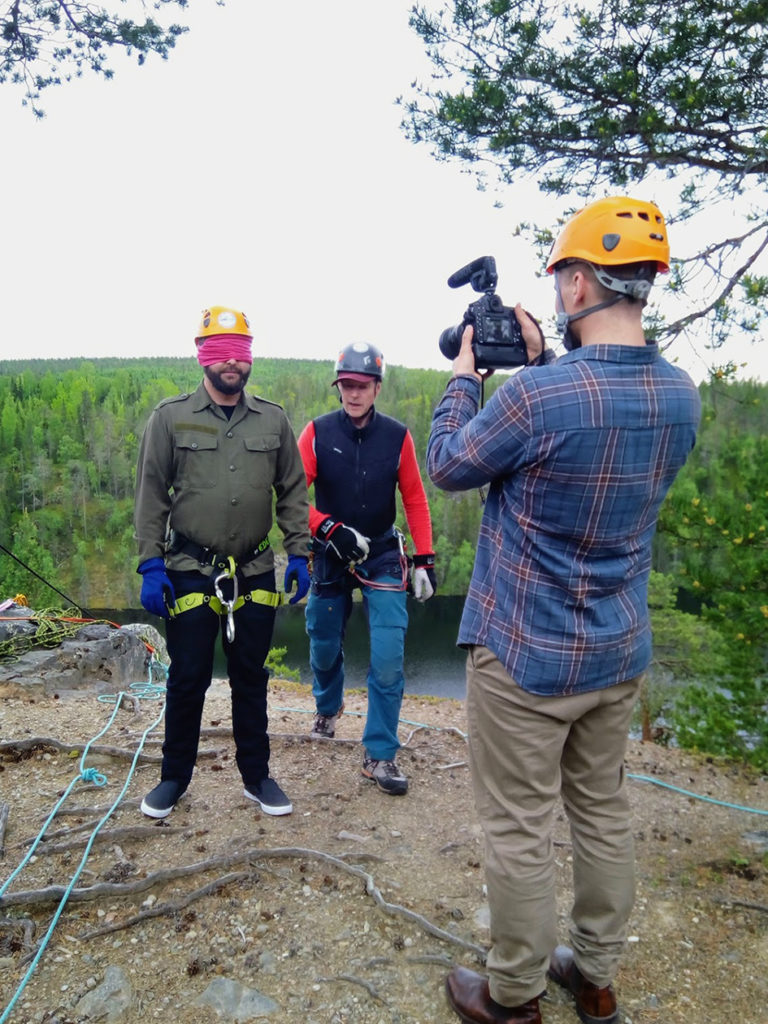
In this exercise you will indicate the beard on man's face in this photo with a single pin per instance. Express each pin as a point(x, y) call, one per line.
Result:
point(225, 387)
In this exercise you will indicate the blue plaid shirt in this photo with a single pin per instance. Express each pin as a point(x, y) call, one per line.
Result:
point(579, 455)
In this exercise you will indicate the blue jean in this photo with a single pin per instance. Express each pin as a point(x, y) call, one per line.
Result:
point(192, 638)
point(328, 609)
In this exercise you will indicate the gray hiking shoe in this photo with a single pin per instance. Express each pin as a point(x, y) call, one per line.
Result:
point(324, 727)
point(386, 775)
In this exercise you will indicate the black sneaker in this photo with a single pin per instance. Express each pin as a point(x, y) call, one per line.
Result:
point(324, 727)
point(268, 794)
point(163, 798)
point(386, 775)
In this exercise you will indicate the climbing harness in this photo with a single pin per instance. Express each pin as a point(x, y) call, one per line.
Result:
point(179, 544)
point(221, 605)
point(404, 568)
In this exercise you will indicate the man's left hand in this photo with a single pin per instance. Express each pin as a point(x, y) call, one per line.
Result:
point(533, 336)
point(424, 579)
point(298, 573)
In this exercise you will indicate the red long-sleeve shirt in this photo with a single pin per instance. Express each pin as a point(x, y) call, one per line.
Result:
point(409, 483)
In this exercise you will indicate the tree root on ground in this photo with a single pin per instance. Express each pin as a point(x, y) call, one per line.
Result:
point(254, 855)
point(369, 988)
point(22, 746)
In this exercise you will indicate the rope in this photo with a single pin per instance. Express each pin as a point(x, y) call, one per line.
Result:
point(146, 690)
point(54, 626)
point(88, 775)
point(696, 796)
point(41, 578)
point(630, 775)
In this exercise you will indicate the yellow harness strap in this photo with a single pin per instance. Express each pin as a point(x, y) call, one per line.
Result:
point(189, 601)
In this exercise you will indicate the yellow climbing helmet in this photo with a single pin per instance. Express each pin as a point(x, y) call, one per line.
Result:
point(612, 232)
point(223, 320)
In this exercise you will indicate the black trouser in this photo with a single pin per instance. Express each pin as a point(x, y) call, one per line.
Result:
point(191, 639)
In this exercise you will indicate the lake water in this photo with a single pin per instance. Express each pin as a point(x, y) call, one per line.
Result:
point(434, 665)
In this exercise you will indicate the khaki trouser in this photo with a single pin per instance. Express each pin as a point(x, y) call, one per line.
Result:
point(525, 751)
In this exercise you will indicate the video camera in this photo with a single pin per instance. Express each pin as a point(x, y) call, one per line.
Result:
point(498, 341)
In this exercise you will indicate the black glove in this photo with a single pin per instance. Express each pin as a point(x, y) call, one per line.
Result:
point(346, 543)
point(424, 579)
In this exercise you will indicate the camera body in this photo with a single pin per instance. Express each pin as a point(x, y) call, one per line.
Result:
point(498, 341)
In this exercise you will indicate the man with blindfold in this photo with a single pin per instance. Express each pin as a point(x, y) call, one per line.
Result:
point(209, 465)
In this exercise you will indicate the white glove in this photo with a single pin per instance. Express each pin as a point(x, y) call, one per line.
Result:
point(422, 588)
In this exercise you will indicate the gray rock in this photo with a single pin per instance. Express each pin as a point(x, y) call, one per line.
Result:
point(148, 634)
point(16, 622)
point(110, 1000)
point(98, 658)
point(229, 998)
point(759, 838)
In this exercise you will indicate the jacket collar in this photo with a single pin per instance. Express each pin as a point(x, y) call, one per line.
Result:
point(353, 432)
point(629, 354)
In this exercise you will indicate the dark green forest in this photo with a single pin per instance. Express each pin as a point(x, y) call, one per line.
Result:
point(69, 433)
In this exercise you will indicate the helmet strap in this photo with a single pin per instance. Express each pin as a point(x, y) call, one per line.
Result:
point(564, 321)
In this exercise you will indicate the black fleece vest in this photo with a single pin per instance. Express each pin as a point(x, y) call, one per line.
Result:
point(357, 470)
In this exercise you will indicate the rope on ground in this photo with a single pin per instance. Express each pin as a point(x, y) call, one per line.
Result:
point(630, 775)
point(53, 626)
point(695, 796)
point(89, 775)
point(145, 690)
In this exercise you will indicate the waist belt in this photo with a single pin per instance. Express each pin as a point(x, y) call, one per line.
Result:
point(225, 606)
point(189, 601)
point(207, 556)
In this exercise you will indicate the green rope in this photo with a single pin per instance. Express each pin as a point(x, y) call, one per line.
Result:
point(51, 630)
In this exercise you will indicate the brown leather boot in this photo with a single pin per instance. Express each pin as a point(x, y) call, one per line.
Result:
point(469, 995)
point(594, 1005)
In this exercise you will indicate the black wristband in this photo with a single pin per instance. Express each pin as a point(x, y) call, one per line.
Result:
point(326, 527)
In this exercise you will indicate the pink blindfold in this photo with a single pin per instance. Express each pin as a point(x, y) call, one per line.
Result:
point(219, 348)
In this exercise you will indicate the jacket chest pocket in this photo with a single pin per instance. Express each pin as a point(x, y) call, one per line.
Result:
point(261, 460)
point(197, 460)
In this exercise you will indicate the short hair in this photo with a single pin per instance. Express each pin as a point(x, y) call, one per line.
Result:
point(644, 274)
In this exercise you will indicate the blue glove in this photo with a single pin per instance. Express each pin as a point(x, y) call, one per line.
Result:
point(298, 573)
point(157, 593)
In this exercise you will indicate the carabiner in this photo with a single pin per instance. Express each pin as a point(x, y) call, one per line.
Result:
point(228, 574)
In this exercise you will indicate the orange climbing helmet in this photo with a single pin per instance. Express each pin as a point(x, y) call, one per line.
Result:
point(612, 232)
point(223, 320)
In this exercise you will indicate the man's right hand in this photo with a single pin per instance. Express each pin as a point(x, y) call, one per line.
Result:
point(344, 541)
point(157, 593)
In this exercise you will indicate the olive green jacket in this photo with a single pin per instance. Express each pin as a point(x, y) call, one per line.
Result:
point(212, 480)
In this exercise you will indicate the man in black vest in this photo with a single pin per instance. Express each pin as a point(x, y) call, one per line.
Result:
point(356, 458)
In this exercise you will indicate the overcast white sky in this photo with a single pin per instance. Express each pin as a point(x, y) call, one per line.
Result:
point(262, 166)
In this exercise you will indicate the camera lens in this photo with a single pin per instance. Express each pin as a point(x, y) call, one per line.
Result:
point(450, 341)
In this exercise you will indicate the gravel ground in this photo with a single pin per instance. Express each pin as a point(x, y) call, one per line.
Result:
point(353, 908)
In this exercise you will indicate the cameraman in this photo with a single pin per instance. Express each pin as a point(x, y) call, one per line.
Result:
point(579, 454)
